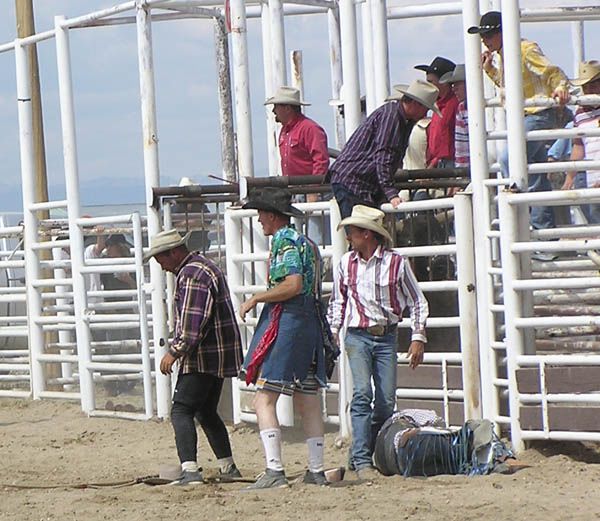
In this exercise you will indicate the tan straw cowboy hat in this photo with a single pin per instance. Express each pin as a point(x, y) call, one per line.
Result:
point(286, 96)
point(367, 218)
point(588, 71)
point(419, 90)
point(165, 241)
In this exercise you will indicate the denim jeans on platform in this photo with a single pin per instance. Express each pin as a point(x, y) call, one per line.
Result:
point(346, 200)
point(541, 216)
point(370, 357)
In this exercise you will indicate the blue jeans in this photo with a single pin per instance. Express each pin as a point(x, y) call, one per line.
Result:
point(541, 216)
point(370, 357)
point(346, 200)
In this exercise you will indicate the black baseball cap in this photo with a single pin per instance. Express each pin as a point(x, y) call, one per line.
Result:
point(439, 66)
point(490, 22)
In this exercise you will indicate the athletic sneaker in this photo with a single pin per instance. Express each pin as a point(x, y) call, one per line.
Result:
point(189, 477)
point(232, 472)
point(269, 479)
point(315, 478)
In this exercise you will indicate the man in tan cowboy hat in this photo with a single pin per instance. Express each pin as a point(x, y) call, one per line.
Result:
point(587, 117)
point(364, 171)
point(302, 142)
point(372, 286)
point(286, 354)
point(207, 345)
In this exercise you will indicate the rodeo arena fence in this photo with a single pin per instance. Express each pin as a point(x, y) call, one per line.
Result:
point(511, 339)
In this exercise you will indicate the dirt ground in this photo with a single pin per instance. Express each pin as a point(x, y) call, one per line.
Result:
point(47, 443)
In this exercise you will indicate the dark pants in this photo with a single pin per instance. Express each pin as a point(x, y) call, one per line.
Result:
point(197, 396)
point(347, 200)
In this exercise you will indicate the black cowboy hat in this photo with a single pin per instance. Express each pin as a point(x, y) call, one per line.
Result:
point(490, 22)
point(272, 199)
point(439, 66)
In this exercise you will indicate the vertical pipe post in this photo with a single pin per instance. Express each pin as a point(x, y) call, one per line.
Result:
point(578, 42)
point(277, 44)
point(339, 246)
point(67, 116)
point(138, 255)
point(235, 279)
point(515, 340)
point(30, 222)
point(241, 83)
point(272, 143)
point(367, 49)
point(297, 72)
point(467, 304)
point(350, 65)
point(152, 177)
point(380, 50)
point(228, 163)
point(335, 59)
point(481, 225)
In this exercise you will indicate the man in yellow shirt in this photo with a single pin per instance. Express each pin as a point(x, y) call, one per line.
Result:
point(540, 78)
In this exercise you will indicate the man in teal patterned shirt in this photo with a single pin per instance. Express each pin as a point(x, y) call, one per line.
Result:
point(286, 355)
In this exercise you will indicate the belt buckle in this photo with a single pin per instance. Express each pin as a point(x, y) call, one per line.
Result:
point(376, 330)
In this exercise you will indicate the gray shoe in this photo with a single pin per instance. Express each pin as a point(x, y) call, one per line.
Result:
point(315, 478)
point(231, 473)
point(269, 479)
point(189, 477)
point(367, 474)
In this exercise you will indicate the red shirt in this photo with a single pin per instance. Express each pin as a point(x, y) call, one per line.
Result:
point(303, 148)
point(440, 133)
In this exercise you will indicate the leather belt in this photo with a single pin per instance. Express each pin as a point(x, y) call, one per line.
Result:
point(377, 330)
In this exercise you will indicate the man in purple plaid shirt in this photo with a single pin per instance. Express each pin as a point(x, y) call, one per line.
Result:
point(364, 171)
point(208, 346)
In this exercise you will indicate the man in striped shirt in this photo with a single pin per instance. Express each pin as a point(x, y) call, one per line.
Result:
point(208, 346)
point(364, 171)
point(372, 287)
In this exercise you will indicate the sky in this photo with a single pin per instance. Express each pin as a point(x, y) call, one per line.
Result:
point(106, 91)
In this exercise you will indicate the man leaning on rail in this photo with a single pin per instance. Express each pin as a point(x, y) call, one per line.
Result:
point(208, 347)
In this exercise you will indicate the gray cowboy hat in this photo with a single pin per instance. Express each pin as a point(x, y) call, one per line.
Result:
point(272, 199)
point(165, 241)
point(458, 74)
point(419, 90)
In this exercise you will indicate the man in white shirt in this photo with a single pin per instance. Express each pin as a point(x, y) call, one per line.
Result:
point(372, 286)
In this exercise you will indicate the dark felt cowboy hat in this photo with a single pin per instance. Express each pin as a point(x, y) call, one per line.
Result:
point(490, 22)
point(439, 66)
point(272, 199)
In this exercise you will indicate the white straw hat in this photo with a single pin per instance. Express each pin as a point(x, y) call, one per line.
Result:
point(588, 71)
point(368, 218)
point(186, 181)
point(286, 96)
point(421, 91)
point(165, 241)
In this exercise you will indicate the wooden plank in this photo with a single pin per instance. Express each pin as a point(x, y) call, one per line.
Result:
point(428, 377)
point(562, 418)
point(572, 379)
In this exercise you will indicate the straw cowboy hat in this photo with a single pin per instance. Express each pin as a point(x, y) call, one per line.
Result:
point(272, 199)
point(458, 74)
point(286, 96)
point(367, 218)
point(419, 90)
point(165, 241)
point(588, 71)
point(186, 181)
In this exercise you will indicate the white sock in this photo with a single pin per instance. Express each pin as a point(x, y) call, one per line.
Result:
point(315, 453)
point(271, 439)
point(189, 466)
point(225, 463)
